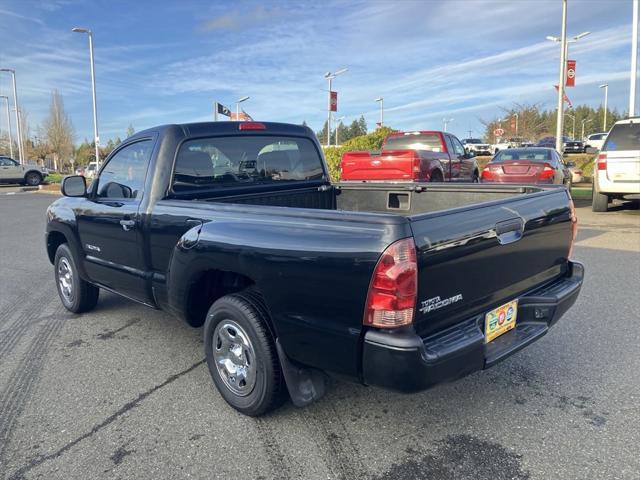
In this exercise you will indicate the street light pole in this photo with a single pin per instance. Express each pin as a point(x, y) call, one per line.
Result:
point(446, 122)
point(238, 102)
point(330, 76)
point(15, 106)
point(96, 137)
point(585, 120)
point(381, 100)
point(9, 126)
point(634, 61)
point(516, 114)
point(606, 98)
point(573, 117)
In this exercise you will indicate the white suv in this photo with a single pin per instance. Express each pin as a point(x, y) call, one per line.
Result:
point(595, 140)
point(617, 172)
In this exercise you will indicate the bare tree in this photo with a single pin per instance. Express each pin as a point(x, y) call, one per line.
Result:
point(59, 132)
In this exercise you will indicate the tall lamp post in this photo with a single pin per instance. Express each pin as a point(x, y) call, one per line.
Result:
point(381, 101)
point(96, 138)
point(446, 122)
point(9, 126)
point(634, 61)
point(564, 53)
point(238, 102)
point(330, 76)
point(585, 120)
point(15, 106)
point(606, 98)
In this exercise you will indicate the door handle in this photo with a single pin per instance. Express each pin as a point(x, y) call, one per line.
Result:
point(509, 231)
point(128, 224)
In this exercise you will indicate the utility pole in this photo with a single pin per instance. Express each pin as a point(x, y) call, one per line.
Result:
point(381, 100)
point(15, 106)
point(563, 76)
point(469, 132)
point(446, 122)
point(634, 61)
point(9, 126)
point(516, 114)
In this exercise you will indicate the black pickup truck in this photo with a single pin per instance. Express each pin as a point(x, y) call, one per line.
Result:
point(237, 227)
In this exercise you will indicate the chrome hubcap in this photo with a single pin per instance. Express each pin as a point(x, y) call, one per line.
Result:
point(65, 279)
point(234, 357)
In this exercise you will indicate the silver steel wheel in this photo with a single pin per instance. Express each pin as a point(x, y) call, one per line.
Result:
point(234, 357)
point(65, 279)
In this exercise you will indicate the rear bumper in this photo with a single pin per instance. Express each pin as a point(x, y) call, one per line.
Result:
point(605, 185)
point(408, 363)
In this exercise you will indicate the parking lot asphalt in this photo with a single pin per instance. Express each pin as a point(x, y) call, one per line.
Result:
point(122, 392)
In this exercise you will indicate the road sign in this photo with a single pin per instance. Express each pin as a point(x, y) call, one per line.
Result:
point(571, 73)
point(498, 132)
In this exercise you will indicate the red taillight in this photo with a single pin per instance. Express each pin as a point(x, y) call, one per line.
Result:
point(252, 126)
point(602, 161)
point(574, 227)
point(391, 299)
point(547, 171)
point(486, 173)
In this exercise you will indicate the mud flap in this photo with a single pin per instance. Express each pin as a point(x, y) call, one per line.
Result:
point(305, 384)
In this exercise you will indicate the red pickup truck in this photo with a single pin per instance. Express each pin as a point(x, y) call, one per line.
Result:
point(427, 156)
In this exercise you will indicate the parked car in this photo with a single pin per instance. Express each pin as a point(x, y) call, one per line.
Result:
point(546, 142)
point(573, 146)
point(617, 172)
point(476, 146)
point(528, 165)
point(13, 172)
point(506, 143)
point(427, 156)
point(237, 227)
point(595, 141)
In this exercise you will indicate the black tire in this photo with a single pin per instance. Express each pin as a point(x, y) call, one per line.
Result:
point(33, 179)
point(436, 176)
point(599, 201)
point(82, 296)
point(243, 317)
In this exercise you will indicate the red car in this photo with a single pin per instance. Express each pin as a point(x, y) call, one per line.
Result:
point(528, 165)
point(413, 156)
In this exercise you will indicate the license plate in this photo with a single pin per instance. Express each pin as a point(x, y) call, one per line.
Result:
point(500, 320)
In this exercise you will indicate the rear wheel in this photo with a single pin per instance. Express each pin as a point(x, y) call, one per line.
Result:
point(76, 294)
point(241, 355)
point(599, 201)
point(33, 179)
point(436, 176)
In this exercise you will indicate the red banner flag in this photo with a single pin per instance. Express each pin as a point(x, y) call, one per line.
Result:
point(571, 73)
point(333, 101)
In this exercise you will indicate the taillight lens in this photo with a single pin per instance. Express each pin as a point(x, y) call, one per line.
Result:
point(486, 173)
point(574, 227)
point(547, 171)
point(391, 299)
point(602, 161)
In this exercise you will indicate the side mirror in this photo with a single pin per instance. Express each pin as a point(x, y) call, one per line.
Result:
point(74, 186)
point(570, 164)
point(470, 154)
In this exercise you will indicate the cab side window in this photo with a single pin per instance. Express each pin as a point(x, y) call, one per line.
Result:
point(457, 146)
point(124, 174)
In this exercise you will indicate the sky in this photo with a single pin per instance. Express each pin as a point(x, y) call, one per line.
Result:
point(167, 62)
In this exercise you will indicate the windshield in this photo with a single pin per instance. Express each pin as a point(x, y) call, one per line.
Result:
point(430, 142)
point(206, 163)
point(529, 155)
point(472, 140)
point(623, 136)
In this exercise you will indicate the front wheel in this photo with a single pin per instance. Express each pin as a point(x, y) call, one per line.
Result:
point(33, 179)
point(76, 294)
point(242, 356)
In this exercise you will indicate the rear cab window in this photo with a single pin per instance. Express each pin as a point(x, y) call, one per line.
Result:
point(623, 136)
point(430, 142)
point(243, 161)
